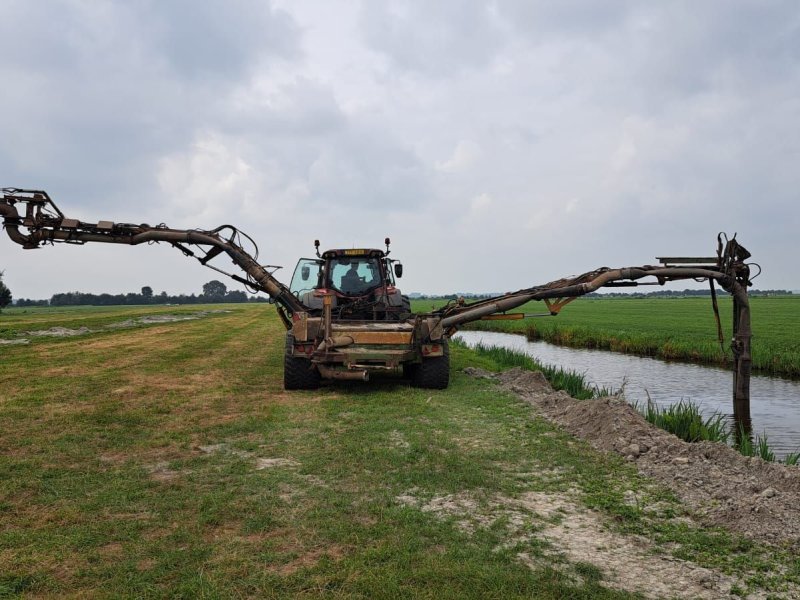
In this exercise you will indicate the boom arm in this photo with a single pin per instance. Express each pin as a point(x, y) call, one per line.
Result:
point(728, 269)
point(45, 223)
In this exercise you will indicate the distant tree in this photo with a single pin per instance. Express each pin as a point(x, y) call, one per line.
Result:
point(5, 293)
point(147, 294)
point(236, 296)
point(215, 290)
point(30, 302)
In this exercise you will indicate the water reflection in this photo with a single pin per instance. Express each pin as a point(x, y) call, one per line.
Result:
point(774, 404)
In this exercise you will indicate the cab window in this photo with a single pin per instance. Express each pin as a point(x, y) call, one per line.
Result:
point(307, 275)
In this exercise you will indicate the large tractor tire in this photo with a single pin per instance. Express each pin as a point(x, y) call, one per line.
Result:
point(432, 373)
point(298, 373)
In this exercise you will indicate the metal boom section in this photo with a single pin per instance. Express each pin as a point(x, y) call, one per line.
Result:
point(45, 223)
point(728, 269)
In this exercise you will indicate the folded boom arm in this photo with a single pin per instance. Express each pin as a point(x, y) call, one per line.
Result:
point(45, 223)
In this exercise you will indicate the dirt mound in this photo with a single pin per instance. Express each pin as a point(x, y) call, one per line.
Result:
point(758, 499)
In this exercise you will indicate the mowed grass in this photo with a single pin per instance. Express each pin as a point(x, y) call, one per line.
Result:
point(15, 322)
point(667, 328)
point(167, 461)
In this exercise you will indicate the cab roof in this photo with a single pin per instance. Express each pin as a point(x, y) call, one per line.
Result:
point(354, 252)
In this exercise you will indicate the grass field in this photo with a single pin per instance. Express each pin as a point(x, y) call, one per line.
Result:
point(668, 328)
point(167, 461)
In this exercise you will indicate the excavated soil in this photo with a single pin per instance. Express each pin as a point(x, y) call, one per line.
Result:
point(757, 499)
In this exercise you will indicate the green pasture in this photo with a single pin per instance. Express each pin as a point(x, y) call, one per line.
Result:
point(166, 461)
point(668, 328)
point(15, 322)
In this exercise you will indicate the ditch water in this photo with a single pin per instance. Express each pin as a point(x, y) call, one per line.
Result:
point(774, 402)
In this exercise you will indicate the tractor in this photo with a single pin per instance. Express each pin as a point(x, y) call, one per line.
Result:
point(344, 316)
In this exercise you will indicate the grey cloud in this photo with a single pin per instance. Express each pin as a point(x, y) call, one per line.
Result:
point(220, 38)
point(701, 47)
point(434, 38)
point(362, 171)
point(213, 37)
point(45, 37)
point(299, 109)
point(667, 49)
point(539, 19)
point(628, 128)
point(99, 92)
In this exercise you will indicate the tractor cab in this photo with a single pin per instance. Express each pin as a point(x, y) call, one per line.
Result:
point(361, 282)
point(355, 273)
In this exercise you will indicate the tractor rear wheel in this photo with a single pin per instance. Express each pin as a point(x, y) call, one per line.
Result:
point(298, 373)
point(433, 372)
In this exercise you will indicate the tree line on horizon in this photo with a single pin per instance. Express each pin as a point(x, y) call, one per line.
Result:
point(213, 292)
point(216, 292)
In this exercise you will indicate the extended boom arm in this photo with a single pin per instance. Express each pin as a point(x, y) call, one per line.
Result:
point(45, 223)
point(728, 269)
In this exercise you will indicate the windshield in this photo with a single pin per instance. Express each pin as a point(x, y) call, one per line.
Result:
point(306, 276)
point(355, 276)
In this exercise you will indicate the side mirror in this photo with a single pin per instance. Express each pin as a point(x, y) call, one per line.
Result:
point(398, 270)
point(305, 272)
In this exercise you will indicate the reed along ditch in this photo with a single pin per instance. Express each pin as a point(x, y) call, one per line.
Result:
point(774, 402)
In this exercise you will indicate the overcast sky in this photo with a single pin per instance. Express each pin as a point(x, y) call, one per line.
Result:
point(499, 144)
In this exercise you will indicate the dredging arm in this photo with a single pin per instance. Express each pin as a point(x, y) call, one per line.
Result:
point(45, 223)
point(727, 268)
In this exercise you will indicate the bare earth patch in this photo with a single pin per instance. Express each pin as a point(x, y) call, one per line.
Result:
point(580, 536)
point(161, 471)
point(627, 562)
point(61, 332)
point(270, 463)
point(260, 463)
point(757, 499)
point(398, 440)
point(309, 559)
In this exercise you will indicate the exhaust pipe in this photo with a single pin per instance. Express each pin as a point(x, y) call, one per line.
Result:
point(328, 373)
